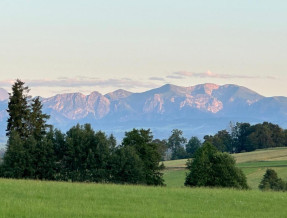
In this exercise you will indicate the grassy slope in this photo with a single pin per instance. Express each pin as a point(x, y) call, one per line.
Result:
point(253, 164)
point(20, 198)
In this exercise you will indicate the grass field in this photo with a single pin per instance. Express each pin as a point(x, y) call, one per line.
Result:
point(24, 198)
point(253, 164)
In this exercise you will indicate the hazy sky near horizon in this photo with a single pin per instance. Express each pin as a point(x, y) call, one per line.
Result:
point(84, 46)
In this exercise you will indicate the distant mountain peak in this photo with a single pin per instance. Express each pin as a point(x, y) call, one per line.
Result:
point(169, 89)
point(3, 94)
point(118, 94)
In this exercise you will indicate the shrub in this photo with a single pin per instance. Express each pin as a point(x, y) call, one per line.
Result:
point(214, 169)
point(271, 181)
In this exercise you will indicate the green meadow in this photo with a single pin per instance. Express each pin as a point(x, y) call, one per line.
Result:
point(253, 164)
point(26, 198)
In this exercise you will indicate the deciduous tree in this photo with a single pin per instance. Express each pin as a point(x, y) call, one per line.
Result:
point(214, 169)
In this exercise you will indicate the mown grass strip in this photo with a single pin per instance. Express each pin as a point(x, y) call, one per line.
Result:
point(263, 164)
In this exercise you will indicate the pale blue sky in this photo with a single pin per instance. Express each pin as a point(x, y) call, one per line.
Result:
point(66, 46)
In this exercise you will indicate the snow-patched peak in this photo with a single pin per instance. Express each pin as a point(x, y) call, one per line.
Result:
point(206, 88)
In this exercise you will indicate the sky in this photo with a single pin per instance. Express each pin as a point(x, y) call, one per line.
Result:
point(61, 46)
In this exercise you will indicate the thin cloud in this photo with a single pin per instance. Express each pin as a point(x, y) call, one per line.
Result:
point(210, 74)
point(175, 76)
point(157, 78)
point(82, 82)
point(271, 77)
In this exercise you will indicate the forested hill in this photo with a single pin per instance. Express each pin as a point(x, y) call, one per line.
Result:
point(197, 110)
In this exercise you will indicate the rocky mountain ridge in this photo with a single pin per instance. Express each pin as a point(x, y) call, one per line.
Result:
point(197, 110)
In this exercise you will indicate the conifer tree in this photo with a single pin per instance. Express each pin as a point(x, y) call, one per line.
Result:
point(37, 119)
point(14, 158)
point(18, 109)
point(26, 129)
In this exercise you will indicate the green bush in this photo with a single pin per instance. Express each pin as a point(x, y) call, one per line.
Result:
point(271, 181)
point(214, 169)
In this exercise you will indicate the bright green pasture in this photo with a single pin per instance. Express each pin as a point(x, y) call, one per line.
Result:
point(21, 198)
point(254, 165)
point(174, 178)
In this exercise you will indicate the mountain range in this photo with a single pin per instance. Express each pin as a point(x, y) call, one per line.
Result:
point(197, 110)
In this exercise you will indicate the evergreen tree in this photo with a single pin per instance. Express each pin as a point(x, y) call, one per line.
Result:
point(14, 158)
point(271, 181)
point(26, 127)
point(30, 157)
point(18, 110)
point(44, 160)
point(37, 120)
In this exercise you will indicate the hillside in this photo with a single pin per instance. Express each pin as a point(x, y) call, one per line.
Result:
point(197, 110)
point(253, 164)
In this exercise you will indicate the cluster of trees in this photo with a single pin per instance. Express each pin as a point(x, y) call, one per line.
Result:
point(36, 151)
point(242, 137)
point(86, 156)
point(213, 168)
point(177, 146)
point(271, 181)
point(246, 137)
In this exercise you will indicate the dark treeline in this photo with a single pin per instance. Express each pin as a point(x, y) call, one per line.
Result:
point(246, 137)
point(242, 137)
point(36, 151)
point(86, 156)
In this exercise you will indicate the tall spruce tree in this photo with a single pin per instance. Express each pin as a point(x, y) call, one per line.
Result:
point(26, 129)
point(14, 158)
point(37, 120)
point(18, 110)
